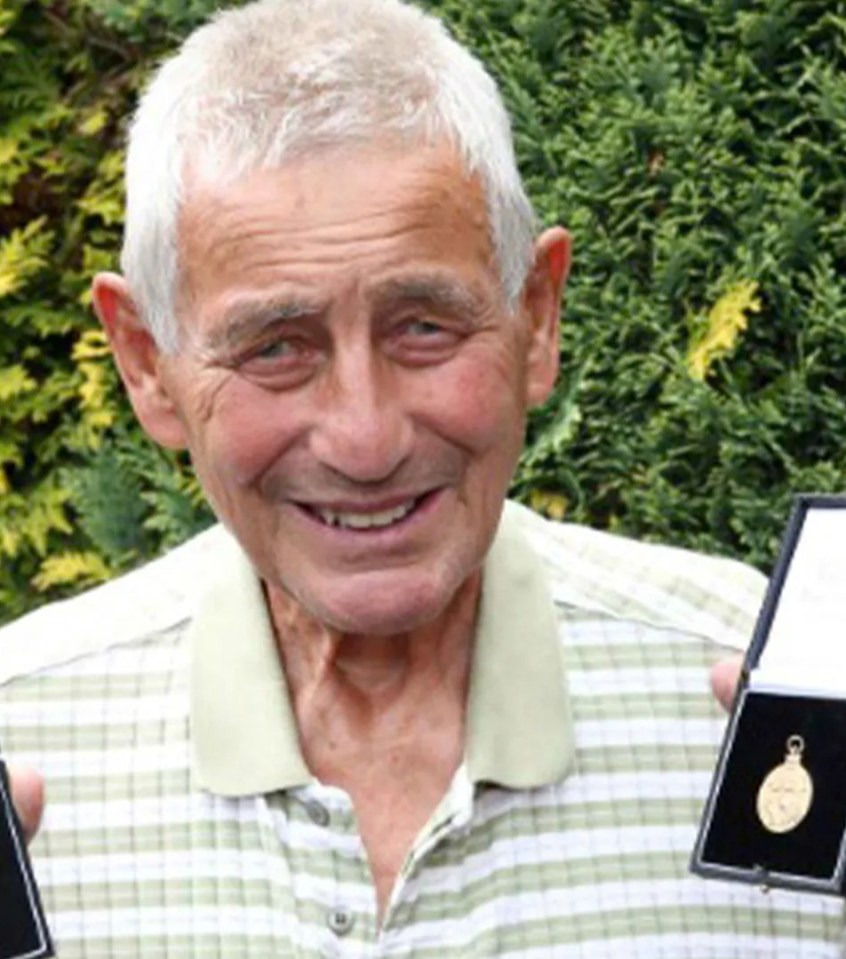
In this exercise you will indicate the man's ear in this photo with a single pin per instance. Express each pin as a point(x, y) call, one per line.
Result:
point(542, 305)
point(139, 360)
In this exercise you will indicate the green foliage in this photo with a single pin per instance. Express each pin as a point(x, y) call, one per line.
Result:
point(695, 148)
point(82, 495)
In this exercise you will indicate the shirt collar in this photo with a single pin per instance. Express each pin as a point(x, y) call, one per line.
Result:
point(243, 731)
point(519, 730)
point(519, 723)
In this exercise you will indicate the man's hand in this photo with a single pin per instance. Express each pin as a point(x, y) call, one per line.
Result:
point(28, 797)
point(724, 679)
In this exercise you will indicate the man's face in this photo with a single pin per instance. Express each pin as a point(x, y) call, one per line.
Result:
point(350, 383)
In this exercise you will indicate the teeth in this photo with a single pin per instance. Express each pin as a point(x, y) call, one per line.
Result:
point(366, 520)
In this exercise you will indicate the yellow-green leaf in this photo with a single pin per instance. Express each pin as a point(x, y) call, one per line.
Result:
point(553, 505)
point(64, 569)
point(44, 515)
point(726, 321)
point(93, 391)
point(22, 254)
point(7, 18)
point(15, 380)
point(10, 541)
point(93, 122)
point(92, 345)
point(8, 150)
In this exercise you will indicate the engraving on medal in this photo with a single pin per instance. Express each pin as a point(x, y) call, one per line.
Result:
point(786, 794)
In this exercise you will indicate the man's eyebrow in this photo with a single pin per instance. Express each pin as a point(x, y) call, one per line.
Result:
point(246, 320)
point(444, 294)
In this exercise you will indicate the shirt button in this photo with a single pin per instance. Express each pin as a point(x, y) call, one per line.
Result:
point(340, 920)
point(317, 813)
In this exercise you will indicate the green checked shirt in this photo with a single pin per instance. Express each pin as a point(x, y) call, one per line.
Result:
point(182, 820)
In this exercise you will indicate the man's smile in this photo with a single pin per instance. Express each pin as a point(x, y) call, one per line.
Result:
point(370, 517)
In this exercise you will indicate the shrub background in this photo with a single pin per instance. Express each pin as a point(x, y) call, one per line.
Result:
point(695, 148)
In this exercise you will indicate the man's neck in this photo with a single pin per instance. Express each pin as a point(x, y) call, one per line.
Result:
point(365, 682)
point(382, 717)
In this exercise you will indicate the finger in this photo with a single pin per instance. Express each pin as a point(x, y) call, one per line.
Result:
point(725, 676)
point(27, 787)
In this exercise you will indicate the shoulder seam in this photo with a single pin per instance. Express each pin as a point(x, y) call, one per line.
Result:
point(666, 587)
point(150, 600)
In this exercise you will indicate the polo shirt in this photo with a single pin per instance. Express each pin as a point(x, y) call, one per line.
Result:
point(182, 820)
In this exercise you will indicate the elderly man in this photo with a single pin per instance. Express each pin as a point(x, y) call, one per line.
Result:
point(375, 713)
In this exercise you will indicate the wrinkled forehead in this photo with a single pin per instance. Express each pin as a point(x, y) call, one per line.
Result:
point(366, 207)
point(329, 177)
point(219, 159)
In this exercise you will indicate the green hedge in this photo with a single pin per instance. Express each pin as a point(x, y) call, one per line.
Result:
point(695, 148)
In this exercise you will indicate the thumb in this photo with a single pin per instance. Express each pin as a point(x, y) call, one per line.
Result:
point(725, 676)
point(27, 788)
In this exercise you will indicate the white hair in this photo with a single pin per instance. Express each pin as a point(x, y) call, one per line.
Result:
point(274, 79)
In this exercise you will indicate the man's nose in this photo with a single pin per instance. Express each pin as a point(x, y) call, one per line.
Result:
point(362, 429)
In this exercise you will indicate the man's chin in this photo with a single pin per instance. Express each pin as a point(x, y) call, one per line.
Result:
point(382, 618)
point(382, 606)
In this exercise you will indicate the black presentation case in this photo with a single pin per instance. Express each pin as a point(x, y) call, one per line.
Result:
point(792, 694)
point(23, 930)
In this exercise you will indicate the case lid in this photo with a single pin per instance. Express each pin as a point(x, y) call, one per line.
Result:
point(799, 644)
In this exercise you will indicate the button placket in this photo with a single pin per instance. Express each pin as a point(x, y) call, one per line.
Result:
point(344, 913)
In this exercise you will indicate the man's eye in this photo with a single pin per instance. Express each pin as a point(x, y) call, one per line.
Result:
point(279, 363)
point(277, 349)
point(423, 328)
point(419, 341)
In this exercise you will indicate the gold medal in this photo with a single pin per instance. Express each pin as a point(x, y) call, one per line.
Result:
point(787, 791)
